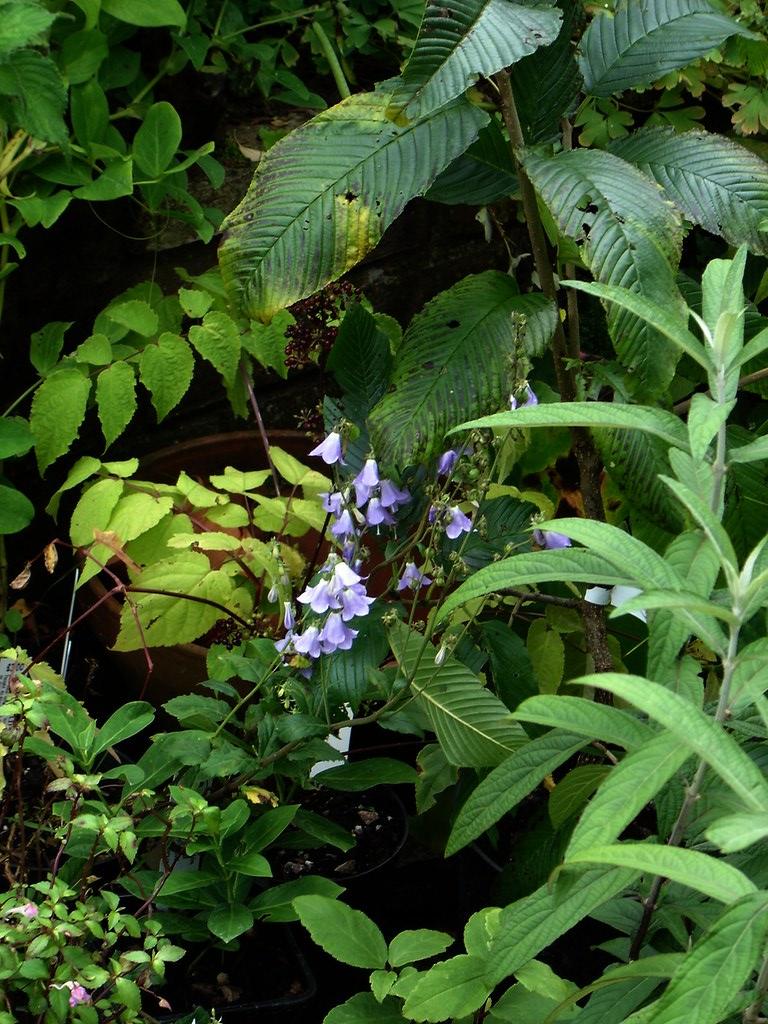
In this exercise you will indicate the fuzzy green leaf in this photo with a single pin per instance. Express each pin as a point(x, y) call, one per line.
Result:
point(451, 989)
point(662, 424)
point(632, 784)
point(418, 944)
point(58, 410)
point(699, 871)
point(157, 139)
point(34, 94)
point(116, 399)
point(586, 718)
point(166, 370)
point(510, 783)
point(537, 567)
point(696, 730)
point(461, 39)
point(322, 197)
point(702, 989)
point(454, 361)
point(217, 339)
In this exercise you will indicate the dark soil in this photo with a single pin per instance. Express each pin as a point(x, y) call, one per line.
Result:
point(374, 820)
point(268, 969)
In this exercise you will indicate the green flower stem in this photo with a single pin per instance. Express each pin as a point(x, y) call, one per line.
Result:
point(564, 350)
point(330, 55)
point(276, 20)
point(691, 796)
point(753, 1014)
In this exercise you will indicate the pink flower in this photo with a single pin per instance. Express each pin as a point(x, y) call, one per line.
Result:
point(77, 994)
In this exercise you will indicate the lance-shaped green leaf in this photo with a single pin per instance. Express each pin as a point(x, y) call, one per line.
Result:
point(700, 871)
point(715, 182)
point(589, 719)
point(662, 424)
point(531, 924)
point(509, 783)
point(737, 831)
point(322, 197)
point(704, 986)
point(628, 235)
point(536, 567)
point(459, 40)
point(455, 359)
point(645, 39)
point(474, 728)
point(632, 784)
point(697, 731)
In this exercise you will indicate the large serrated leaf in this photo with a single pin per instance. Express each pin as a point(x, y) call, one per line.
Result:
point(347, 934)
point(474, 728)
point(360, 360)
point(645, 39)
point(483, 174)
point(322, 197)
point(58, 410)
point(116, 399)
point(628, 235)
point(166, 370)
point(454, 361)
point(547, 84)
point(459, 40)
point(715, 182)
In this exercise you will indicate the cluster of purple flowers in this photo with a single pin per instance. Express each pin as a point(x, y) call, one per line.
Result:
point(341, 594)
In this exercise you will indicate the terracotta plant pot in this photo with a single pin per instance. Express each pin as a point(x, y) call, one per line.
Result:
point(180, 669)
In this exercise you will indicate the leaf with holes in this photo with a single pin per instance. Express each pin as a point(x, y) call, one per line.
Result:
point(714, 182)
point(643, 40)
point(459, 40)
point(628, 235)
point(454, 361)
point(322, 197)
point(474, 728)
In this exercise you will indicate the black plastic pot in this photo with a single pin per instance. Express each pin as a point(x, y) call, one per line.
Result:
point(281, 1008)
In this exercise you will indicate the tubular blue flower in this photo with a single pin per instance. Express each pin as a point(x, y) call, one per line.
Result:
point(551, 540)
point(287, 640)
point(333, 502)
point(354, 602)
point(456, 523)
point(376, 514)
point(309, 642)
point(368, 475)
point(344, 525)
point(320, 597)
point(413, 577)
point(392, 497)
point(336, 636)
point(273, 594)
point(348, 550)
point(344, 576)
point(447, 461)
point(530, 399)
point(329, 450)
point(288, 618)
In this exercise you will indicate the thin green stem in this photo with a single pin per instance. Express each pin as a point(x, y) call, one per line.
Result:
point(25, 394)
point(691, 796)
point(330, 55)
point(276, 20)
point(753, 1013)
